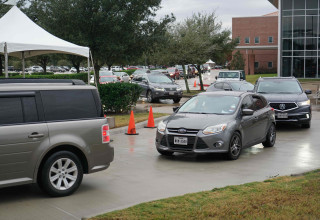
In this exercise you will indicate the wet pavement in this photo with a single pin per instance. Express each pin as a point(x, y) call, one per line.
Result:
point(140, 174)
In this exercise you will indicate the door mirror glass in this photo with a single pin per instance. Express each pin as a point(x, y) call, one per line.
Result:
point(175, 109)
point(247, 112)
point(308, 92)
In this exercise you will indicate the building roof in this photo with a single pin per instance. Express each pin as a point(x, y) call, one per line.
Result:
point(276, 13)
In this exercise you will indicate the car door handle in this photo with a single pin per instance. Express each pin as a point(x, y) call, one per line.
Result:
point(35, 135)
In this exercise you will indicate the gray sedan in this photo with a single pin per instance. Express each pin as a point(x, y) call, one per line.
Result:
point(218, 122)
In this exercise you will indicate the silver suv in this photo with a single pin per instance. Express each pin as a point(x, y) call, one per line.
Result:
point(51, 133)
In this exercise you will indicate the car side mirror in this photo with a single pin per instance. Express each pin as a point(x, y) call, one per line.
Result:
point(216, 77)
point(175, 109)
point(145, 81)
point(247, 112)
point(308, 92)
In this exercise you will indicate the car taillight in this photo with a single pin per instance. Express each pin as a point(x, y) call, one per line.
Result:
point(272, 109)
point(105, 134)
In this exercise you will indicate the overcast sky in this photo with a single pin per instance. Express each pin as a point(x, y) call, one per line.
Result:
point(225, 9)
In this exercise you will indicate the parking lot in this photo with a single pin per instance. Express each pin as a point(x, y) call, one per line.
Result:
point(139, 174)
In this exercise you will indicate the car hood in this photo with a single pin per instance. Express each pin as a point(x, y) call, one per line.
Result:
point(286, 97)
point(196, 121)
point(229, 79)
point(164, 85)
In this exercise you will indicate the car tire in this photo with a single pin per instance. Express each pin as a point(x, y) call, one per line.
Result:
point(308, 125)
point(271, 137)
point(235, 147)
point(66, 174)
point(176, 100)
point(149, 97)
point(164, 152)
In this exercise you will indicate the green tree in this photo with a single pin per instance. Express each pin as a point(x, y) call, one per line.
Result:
point(237, 62)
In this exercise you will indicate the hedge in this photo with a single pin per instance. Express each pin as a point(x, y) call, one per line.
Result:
point(42, 73)
point(81, 76)
point(129, 72)
point(119, 97)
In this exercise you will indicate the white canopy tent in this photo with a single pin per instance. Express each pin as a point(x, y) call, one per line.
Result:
point(21, 37)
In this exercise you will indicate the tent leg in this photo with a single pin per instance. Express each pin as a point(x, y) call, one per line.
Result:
point(6, 60)
point(94, 72)
point(89, 70)
point(23, 65)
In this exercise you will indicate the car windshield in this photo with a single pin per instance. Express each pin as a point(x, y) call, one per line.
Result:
point(157, 78)
point(208, 104)
point(106, 73)
point(229, 75)
point(107, 79)
point(240, 86)
point(279, 86)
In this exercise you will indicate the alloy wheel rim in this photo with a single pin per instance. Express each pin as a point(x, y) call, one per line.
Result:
point(63, 174)
point(272, 134)
point(235, 147)
point(149, 97)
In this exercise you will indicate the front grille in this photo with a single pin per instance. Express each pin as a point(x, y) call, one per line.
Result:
point(188, 131)
point(170, 89)
point(280, 106)
point(201, 144)
point(189, 147)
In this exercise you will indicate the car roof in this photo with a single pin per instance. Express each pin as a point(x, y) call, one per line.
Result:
point(225, 93)
point(276, 78)
point(232, 81)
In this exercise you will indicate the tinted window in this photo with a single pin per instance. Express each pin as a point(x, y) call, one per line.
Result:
point(279, 86)
point(226, 86)
point(159, 78)
point(30, 113)
point(258, 103)
point(240, 86)
point(10, 111)
point(68, 104)
point(218, 85)
point(247, 103)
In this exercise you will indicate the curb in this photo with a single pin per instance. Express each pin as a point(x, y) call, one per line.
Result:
point(123, 130)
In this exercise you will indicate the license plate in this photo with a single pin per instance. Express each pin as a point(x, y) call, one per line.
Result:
point(282, 115)
point(181, 140)
point(171, 93)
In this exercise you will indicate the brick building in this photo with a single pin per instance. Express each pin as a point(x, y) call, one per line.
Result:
point(257, 39)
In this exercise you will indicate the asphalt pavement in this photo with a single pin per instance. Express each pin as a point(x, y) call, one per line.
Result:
point(139, 174)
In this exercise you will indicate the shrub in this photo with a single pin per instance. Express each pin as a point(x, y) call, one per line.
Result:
point(42, 73)
point(81, 76)
point(119, 97)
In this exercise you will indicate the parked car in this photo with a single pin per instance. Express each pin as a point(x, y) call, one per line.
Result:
point(108, 79)
point(132, 68)
point(289, 101)
point(231, 75)
point(73, 70)
point(158, 86)
point(218, 122)
point(174, 73)
point(116, 68)
point(122, 76)
point(106, 73)
point(53, 134)
point(231, 86)
point(163, 71)
point(140, 71)
point(57, 69)
point(36, 69)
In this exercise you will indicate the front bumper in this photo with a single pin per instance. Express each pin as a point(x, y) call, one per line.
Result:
point(197, 143)
point(167, 94)
point(301, 115)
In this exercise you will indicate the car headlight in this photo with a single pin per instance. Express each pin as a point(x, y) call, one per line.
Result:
point(215, 129)
point(171, 74)
point(304, 103)
point(159, 89)
point(179, 89)
point(161, 127)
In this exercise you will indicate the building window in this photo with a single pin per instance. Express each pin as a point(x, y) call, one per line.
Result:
point(256, 65)
point(270, 39)
point(237, 40)
point(257, 40)
point(247, 40)
point(270, 65)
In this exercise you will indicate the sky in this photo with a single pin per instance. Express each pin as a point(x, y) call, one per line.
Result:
point(225, 9)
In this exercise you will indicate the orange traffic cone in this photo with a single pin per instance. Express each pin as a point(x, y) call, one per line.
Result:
point(195, 83)
point(150, 119)
point(132, 126)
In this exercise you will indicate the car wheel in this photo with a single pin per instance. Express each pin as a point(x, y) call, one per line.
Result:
point(271, 137)
point(149, 97)
point(61, 174)
point(308, 125)
point(176, 100)
point(165, 153)
point(235, 147)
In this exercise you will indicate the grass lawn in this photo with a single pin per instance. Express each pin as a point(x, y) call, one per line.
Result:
point(278, 198)
point(253, 78)
point(192, 93)
point(123, 119)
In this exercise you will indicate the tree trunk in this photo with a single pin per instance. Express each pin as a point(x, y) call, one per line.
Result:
point(43, 62)
point(200, 77)
point(96, 71)
point(185, 78)
point(109, 66)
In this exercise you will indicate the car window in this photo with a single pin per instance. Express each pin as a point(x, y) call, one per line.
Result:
point(247, 103)
point(159, 78)
point(241, 86)
point(226, 86)
point(279, 86)
point(258, 103)
point(68, 104)
point(229, 75)
point(137, 79)
point(218, 85)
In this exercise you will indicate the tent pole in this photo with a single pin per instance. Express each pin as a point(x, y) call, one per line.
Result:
point(6, 60)
point(94, 72)
point(23, 66)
